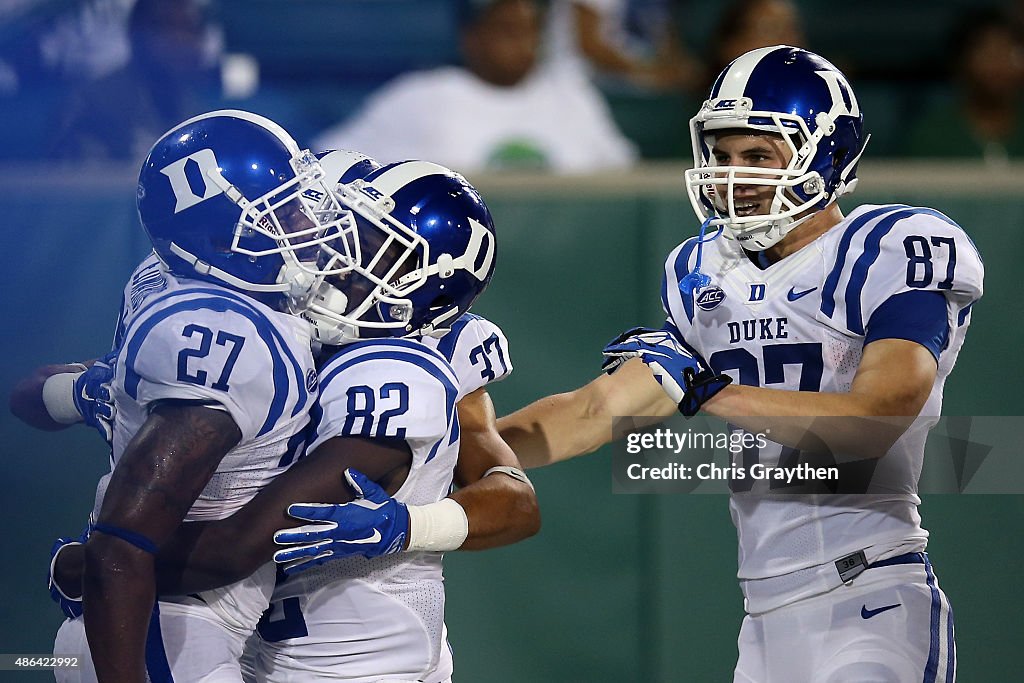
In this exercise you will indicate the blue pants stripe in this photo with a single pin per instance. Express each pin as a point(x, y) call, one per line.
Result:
point(931, 670)
point(157, 666)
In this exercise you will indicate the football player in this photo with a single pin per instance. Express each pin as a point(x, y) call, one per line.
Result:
point(213, 382)
point(813, 314)
point(450, 225)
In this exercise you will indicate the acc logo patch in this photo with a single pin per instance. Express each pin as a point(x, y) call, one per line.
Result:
point(311, 380)
point(710, 298)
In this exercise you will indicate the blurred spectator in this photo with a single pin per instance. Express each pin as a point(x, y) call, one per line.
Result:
point(749, 24)
point(89, 41)
point(984, 119)
point(500, 111)
point(171, 75)
point(636, 41)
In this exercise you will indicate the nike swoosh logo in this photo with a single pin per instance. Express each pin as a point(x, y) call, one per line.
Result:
point(866, 613)
point(793, 295)
point(373, 538)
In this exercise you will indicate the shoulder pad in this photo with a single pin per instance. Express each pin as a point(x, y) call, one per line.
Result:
point(893, 249)
point(205, 345)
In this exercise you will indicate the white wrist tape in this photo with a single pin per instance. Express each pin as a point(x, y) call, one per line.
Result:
point(59, 397)
point(437, 527)
point(513, 472)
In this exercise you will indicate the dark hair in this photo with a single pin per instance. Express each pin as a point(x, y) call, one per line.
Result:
point(469, 12)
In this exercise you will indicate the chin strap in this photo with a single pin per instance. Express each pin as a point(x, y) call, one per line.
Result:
point(696, 280)
point(203, 268)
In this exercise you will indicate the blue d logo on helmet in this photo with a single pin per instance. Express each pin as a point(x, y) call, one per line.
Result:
point(426, 251)
point(789, 92)
point(229, 197)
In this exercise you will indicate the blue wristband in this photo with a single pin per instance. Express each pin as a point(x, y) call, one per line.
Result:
point(135, 538)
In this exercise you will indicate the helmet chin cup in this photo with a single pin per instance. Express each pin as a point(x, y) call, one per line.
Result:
point(300, 283)
point(330, 332)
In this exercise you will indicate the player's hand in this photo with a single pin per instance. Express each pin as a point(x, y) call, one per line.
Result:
point(71, 607)
point(92, 396)
point(682, 374)
point(371, 525)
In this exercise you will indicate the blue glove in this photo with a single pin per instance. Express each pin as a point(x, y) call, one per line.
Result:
point(92, 396)
point(373, 524)
point(71, 607)
point(682, 373)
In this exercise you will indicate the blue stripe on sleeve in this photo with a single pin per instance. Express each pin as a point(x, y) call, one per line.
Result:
point(300, 379)
point(119, 328)
point(950, 646)
point(872, 250)
point(961, 317)
point(446, 347)
point(300, 383)
point(859, 274)
point(917, 316)
point(220, 304)
point(455, 433)
point(828, 292)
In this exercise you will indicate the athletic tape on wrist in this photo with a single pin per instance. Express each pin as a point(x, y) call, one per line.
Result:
point(513, 472)
point(59, 397)
point(135, 538)
point(437, 527)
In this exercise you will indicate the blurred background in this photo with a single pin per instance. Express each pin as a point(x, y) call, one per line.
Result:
point(571, 117)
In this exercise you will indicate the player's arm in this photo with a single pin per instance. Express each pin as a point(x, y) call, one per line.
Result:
point(158, 478)
point(205, 555)
point(28, 398)
point(495, 506)
point(889, 390)
point(55, 397)
point(562, 426)
point(894, 378)
point(212, 554)
point(501, 508)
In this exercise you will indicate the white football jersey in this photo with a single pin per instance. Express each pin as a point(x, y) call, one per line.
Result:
point(801, 324)
point(204, 343)
point(477, 350)
point(362, 619)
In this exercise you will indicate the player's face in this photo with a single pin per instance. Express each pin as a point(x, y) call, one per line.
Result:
point(384, 261)
point(749, 150)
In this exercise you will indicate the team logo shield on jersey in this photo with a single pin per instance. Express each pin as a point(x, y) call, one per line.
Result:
point(710, 298)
